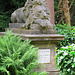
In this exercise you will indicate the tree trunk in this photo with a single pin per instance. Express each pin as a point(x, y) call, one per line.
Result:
point(66, 13)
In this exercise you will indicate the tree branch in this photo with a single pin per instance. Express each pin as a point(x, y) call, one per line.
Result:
point(71, 4)
point(59, 3)
point(61, 19)
point(58, 6)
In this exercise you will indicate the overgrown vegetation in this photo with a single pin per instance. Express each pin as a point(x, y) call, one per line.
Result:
point(65, 60)
point(6, 9)
point(18, 57)
point(65, 57)
point(4, 20)
point(63, 29)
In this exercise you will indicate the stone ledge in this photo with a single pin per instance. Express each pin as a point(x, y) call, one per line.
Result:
point(39, 37)
point(53, 70)
point(24, 31)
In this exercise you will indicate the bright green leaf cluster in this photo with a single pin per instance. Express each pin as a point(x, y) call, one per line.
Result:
point(69, 34)
point(65, 60)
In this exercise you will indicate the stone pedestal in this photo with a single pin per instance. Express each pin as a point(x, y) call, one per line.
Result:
point(47, 44)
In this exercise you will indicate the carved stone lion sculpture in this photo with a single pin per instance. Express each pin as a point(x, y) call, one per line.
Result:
point(18, 16)
point(36, 12)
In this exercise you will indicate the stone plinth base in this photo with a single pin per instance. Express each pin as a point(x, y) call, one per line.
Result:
point(44, 42)
point(23, 31)
point(35, 29)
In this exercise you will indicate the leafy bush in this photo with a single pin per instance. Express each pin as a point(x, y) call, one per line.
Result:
point(17, 57)
point(69, 34)
point(65, 60)
point(6, 9)
point(4, 20)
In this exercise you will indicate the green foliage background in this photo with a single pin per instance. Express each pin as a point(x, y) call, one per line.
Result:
point(69, 38)
point(6, 8)
point(60, 13)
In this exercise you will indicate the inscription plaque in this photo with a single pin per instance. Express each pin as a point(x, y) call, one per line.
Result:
point(44, 55)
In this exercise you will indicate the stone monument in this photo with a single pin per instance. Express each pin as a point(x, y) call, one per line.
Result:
point(33, 21)
point(35, 16)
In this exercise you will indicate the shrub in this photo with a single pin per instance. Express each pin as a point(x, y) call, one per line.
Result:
point(17, 57)
point(65, 60)
point(6, 9)
point(4, 20)
point(69, 34)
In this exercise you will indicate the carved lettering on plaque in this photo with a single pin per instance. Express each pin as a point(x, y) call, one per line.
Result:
point(44, 55)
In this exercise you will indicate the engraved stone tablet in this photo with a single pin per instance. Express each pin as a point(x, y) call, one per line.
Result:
point(44, 55)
